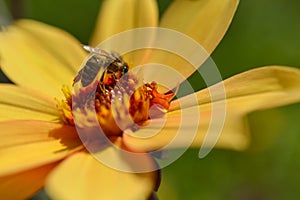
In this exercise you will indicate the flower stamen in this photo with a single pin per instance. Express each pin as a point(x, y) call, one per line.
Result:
point(115, 96)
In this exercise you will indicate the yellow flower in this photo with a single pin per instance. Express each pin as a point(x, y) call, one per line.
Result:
point(37, 149)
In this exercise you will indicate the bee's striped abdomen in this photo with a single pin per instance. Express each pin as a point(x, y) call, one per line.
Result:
point(90, 70)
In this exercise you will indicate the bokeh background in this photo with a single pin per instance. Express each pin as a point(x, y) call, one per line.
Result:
point(263, 32)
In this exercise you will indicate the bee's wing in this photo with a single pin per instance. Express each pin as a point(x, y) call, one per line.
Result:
point(98, 52)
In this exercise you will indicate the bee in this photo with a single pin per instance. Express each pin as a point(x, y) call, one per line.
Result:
point(109, 66)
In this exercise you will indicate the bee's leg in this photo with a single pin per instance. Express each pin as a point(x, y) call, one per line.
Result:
point(102, 87)
point(101, 84)
point(116, 78)
point(77, 77)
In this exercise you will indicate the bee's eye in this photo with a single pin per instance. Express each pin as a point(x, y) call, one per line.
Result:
point(125, 69)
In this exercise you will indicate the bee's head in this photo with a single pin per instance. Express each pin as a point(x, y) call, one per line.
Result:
point(125, 68)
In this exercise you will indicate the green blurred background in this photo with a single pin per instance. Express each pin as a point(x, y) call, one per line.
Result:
point(263, 32)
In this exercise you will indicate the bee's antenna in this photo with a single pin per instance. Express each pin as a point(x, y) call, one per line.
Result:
point(97, 51)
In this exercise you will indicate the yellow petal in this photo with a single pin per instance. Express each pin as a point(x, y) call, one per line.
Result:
point(116, 16)
point(20, 103)
point(261, 88)
point(29, 144)
point(39, 56)
point(205, 21)
point(180, 131)
point(94, 180)
point(23, 185)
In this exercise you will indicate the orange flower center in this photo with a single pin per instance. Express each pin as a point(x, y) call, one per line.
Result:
point(115, 96)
